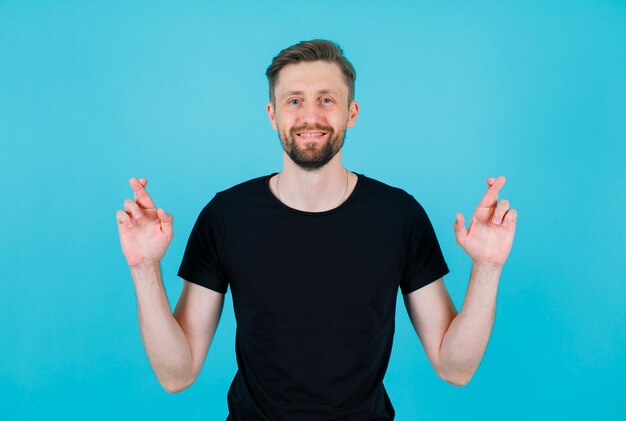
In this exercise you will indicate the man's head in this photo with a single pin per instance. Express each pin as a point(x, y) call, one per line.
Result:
point(306, 51)
point(311, 101)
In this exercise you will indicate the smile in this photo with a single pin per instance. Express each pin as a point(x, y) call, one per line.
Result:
point(311, 135)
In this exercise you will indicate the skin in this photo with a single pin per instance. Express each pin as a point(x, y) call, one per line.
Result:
point(455, 342)
point(321, 100)
point(176, 344)
point(311, 113)
point(312, 98)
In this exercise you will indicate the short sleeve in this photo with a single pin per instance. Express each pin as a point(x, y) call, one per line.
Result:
point(201, 262)
point(424, 259)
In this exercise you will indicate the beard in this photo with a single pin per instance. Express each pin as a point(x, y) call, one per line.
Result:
point(312, 156)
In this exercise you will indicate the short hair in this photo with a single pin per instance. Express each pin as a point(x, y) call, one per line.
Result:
point(314, 50)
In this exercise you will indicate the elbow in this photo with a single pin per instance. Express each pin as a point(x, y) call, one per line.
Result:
point(175, 386)
point(456, 379)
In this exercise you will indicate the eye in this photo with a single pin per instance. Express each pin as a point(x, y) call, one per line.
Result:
point(327, 100)
point(294, 101)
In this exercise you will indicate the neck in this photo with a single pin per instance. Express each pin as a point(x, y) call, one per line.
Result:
point(313, 191)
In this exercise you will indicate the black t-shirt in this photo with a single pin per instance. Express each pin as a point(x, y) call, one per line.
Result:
point(314, 295)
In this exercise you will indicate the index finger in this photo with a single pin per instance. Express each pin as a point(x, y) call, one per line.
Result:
point(491, 197)
point(141, 195)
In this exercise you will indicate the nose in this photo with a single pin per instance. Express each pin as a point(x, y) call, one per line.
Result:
point(310, 112)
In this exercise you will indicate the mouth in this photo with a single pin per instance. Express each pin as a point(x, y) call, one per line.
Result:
point(311, 135)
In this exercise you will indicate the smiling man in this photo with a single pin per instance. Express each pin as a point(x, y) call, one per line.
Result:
point(314, 256)
point(311, 141)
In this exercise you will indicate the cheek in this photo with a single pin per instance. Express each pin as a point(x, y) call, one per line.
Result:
point(285, 123)
point(282, 129)
point(339, 122)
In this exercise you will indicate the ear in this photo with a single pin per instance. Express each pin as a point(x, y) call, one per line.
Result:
point(272, 115)
point(353, 113)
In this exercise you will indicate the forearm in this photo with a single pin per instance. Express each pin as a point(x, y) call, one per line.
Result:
point(465, 341)
point(164, 340)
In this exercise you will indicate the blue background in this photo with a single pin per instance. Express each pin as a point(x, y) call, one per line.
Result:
point(93, 93)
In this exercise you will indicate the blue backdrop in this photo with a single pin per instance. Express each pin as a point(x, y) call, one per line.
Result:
point(93, 93)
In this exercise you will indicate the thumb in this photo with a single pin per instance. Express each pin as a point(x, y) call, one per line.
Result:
point(459, 229)
point(167, 223)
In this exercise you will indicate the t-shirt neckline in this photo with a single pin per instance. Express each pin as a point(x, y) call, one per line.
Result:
point(345, 203)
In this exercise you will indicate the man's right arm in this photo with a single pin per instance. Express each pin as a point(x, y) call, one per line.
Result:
point(176, 344)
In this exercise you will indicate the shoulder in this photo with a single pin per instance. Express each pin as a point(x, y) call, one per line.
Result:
point(252, 186)
point(387, 197)
point(244, 194)
point(380, 191)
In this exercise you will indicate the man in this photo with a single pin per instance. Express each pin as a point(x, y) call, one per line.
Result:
point(314, 256)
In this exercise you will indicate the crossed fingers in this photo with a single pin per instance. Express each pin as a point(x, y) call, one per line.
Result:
point(133, 208)
point(503, 214)
point(142, 197)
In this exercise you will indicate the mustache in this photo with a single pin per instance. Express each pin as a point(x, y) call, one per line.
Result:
point(311, 127)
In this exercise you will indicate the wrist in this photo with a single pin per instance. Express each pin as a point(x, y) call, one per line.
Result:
point(145, 270)
point(487, 265)
point(486, 271)
point(147, 264)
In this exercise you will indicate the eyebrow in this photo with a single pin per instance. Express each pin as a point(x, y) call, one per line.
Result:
point(323, 91)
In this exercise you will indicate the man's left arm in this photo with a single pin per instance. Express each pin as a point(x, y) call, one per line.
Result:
point(455, 342)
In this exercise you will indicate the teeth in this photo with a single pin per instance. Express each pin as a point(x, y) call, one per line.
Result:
point(311, 134)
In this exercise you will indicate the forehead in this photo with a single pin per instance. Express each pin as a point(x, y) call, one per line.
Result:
point(310, 75)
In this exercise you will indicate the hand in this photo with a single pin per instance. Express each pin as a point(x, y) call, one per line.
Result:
point(145, 231)
point(490, 234)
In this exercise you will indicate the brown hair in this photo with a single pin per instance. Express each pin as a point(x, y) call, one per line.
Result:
point(317, 49)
